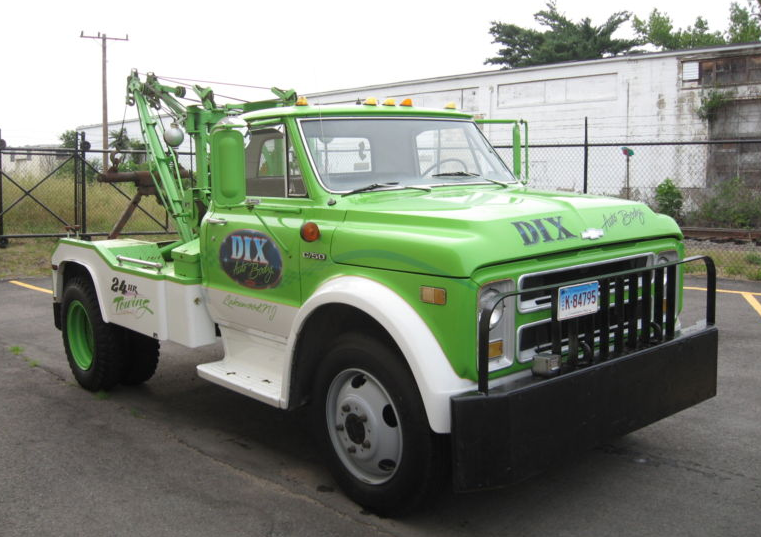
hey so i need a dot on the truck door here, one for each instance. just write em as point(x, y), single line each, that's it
point(252, 269)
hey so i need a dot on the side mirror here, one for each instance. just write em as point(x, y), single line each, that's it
point(228, 167)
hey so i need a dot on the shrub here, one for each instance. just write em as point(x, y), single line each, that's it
point(732, 204)
point(753, 259)
point(669, 199)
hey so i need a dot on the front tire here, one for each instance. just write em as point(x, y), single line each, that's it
point(92, 345)
point(373, 425)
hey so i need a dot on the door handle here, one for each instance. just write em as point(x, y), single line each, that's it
point(217, 221)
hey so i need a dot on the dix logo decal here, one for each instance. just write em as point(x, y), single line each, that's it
point(547, 229)
point(251, 259)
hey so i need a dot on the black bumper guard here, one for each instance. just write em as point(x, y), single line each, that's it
point(622, 368)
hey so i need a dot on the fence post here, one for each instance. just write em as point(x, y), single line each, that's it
point(83, 147)
point(75, 161)
point(3, 240)
point(586, 154)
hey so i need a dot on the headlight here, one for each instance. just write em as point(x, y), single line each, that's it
point(501, 321)
point(486, 298)
point(667, 257)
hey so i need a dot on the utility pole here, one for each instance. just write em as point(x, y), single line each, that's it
point(103, 40)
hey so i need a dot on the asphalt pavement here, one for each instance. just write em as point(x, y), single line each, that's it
point(180, 456)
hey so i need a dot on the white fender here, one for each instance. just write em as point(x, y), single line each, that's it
point(433, 373)
point(87, 259)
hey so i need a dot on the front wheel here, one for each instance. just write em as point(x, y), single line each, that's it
point(373, 425)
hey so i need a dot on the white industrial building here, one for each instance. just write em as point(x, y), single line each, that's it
point(639, 98)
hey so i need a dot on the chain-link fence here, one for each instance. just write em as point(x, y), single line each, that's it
point(53, 192)
point(712, 188)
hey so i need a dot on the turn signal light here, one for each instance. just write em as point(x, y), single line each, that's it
point(310, 232)
point(496, 349)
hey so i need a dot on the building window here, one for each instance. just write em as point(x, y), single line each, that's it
point(728, 71)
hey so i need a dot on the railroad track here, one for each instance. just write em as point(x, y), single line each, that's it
point(738, 236)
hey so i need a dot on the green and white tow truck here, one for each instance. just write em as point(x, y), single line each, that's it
point(381, 263)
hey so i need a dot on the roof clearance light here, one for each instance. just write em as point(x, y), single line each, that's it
point(371, 101)
point(406, 102)
point(450, 106)
point(302, 101)
point(389, 102)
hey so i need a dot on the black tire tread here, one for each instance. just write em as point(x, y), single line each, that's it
point(142, 358)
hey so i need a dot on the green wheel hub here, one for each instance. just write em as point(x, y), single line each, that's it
point(79, 332)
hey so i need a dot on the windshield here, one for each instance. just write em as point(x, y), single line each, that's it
point(362, 154)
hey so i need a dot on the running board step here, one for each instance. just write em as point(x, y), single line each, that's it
point(244, 380)
point(253, 366)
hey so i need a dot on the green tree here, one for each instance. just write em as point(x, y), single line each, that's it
point(658, 30)
point(564, 40)
point(119, 139)
point(743, 24)
point(68, 139)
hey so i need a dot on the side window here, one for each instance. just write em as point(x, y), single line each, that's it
point(266, 172)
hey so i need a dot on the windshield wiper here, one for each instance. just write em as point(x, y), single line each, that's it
point(371, 186)
point(456, 174)
point(469, 174)
point(375, 186)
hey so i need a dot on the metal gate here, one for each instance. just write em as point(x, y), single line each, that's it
point(55, 192)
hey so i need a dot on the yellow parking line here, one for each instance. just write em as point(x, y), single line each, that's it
point(32, 287)
point(753, 302)
point(725, 291)
point(747, 295)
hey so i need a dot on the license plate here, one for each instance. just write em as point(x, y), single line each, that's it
point(577, 300)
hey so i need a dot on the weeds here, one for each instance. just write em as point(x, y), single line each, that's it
point(753, 258)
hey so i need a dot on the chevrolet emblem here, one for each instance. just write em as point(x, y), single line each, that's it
point(592, 233)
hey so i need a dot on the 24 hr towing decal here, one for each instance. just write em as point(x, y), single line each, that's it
point(547, 229)
point(252, 259)
point(128, 300)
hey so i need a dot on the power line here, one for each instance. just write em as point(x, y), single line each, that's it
point(178, 80)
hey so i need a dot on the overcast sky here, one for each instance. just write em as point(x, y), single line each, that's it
point(51, 78)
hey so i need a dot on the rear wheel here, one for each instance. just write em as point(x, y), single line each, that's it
point(92, 345)
point(141, 358)
point(373, 425)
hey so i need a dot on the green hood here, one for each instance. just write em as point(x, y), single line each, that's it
point(454, 231)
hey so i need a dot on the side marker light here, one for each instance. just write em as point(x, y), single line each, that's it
point(433, 295)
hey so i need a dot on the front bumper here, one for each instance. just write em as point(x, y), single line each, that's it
point(505, 437)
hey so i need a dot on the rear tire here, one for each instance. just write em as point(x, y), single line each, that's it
point(141, 357)
point(374, 429)
point(92, 345)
